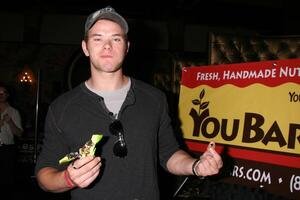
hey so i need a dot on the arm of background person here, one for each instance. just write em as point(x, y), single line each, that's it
point(10, 120)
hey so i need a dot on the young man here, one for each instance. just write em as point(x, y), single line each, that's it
point(133, 118)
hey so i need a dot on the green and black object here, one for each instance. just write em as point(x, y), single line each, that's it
point(88, 149)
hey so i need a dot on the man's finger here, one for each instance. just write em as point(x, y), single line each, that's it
point(211, 145)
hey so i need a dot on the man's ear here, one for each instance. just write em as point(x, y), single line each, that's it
point(128, 44)
point(84, 48)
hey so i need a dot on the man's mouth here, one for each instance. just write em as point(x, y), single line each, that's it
point(106, 56)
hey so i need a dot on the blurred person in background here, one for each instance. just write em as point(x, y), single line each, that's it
point(10, 128)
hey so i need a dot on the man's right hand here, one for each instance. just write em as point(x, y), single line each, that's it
point(82, 172)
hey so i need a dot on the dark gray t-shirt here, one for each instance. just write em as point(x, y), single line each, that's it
point(74, 116)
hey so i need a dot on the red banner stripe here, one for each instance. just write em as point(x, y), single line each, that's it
point(265, 157)
point(190, 74)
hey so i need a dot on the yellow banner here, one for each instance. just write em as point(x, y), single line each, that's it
point(256, 116)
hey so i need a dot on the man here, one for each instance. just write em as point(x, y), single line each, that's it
point(132, 116)
point(10, 127)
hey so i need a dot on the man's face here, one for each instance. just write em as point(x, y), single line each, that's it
point(3, 95)
point(106, 45)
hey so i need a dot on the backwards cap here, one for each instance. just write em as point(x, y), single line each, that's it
point(105, 13)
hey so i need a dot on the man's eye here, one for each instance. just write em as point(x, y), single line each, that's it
point(117, 39)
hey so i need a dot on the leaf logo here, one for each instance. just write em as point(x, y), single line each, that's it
point(200, 114)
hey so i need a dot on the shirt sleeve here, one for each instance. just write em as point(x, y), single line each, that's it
point(15, 116)
point(168, 144)
point(53, 146)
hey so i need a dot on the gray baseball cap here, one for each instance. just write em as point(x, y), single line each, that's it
point(105, 13)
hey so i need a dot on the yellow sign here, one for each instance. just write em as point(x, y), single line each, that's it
point(250, 105)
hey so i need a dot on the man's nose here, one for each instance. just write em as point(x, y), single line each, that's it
point(107, 45)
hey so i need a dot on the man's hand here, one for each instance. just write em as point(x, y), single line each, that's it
point(210, 162)
point(82, 172)
point(6, 118)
